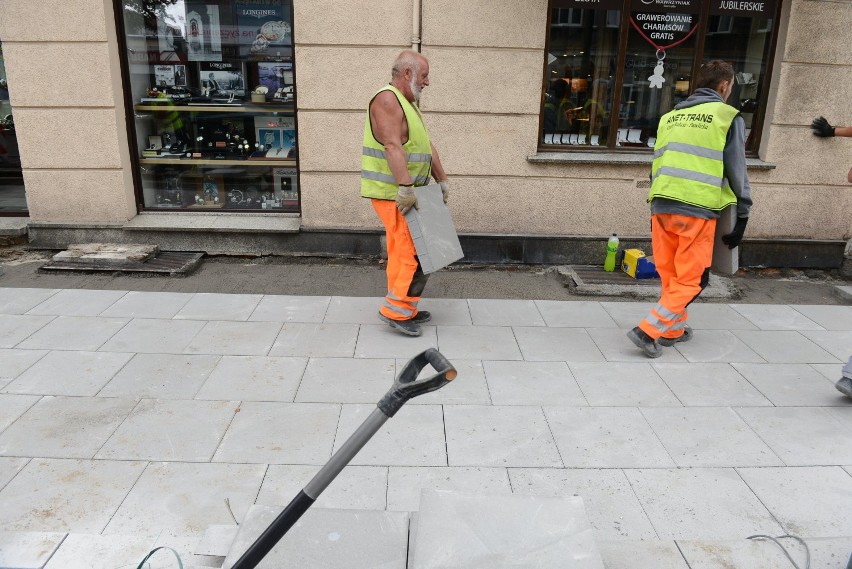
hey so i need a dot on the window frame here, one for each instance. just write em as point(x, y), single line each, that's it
point(756, 130)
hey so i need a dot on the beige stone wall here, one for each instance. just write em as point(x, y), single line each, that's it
point(482, 111)
point(65, 89)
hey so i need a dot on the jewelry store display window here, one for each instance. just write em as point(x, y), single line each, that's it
point(13, 199)
point(212, 92)
point(614, 67)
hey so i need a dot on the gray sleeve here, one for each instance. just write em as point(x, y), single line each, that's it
point(735, 166)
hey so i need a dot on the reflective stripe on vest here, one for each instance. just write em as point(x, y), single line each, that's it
point(377, 180)
point(688, 156)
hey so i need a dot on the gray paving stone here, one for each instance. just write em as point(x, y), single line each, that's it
point(776, 317)
point(499, 436)
point(557, 344)
point(709, 384)
point(784, 347)
point(186, 498)
point(811, 502)
point(84, 333)
point(353, 310)
point(254, 378)
point(486, 312)
point(154, 336)
point(172, 430)
point(14, 362)
point(831, 372)
point(830, 317)
point(844, 293)
point(413, 437)
point(837, 343)
point(716, 346)
point(757, 554)
point(532, 383)
point(382, 341)
point(575, 314)
point(714, 316)
point(469, 387)
point(612, 507)
point(280, 433)
point(462, 531)
point(15, 328)
point(9, 468)
point(69, 373)
point(217, 540)
point(405, 484)
point(344, 380)
point(65, 427)
point(605, 437)
point(709, 436)
point(355, 488)
point(22, 300)
point(214, 306)
point(324, 538)
point(92, 551)
point(161, 376)
point(481, 343)
point(628, 314)
point(614, 384)
point(616, 347)
point(632, 554)
point(801, 436)
point(13, 406)
point(78, 302)
point(66, 495)
point(273, 308)
point(447, 311)
point(234, 338)
point(793, 385)
point(316, 340)
point(27, 550)
point(830, 552)
point(148, 305)
point(700, 503)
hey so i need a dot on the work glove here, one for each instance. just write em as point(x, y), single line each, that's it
point(821, 127)
point(445, 189)
point(406, 199)
point(735, 237)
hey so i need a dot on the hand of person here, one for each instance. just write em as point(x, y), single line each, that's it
point(735, 237)
point(821, 127)
point(406, 199)
point(445, 189)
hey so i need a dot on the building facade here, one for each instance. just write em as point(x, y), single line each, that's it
point(543, 113)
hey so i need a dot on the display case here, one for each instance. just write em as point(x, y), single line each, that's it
point(212, 88)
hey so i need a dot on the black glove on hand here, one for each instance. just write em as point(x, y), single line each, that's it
point(821, 127)
point(735, 237)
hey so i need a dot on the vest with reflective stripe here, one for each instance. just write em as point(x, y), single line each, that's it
point(377, 181)
point(688, 153)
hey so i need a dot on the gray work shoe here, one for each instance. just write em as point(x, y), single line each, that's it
point(407, 327)
point(646, 342)
point(685, 337)
point(844, 386)
point(422, 317)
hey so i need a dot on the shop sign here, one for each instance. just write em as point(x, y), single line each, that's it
point(749, 9)
point(665, 23)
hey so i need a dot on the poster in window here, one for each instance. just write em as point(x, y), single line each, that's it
point(285, 186)
point(222, 78)
point(203, 32)
point(277, 135)
point(275, 75)
point(170, 40)
point(263, 26)
point(180, 75)
point(164, 75)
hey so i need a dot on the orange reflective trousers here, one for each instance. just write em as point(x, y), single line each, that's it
point(683, 253)
point(406, 279)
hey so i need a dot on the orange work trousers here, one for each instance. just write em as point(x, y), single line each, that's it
point(406, 279)
point(683, 253)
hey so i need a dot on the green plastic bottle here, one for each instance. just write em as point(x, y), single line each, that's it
point(611, 252)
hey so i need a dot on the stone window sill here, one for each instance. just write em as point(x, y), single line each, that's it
point(618, 158)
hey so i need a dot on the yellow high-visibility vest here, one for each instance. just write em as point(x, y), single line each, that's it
point(377, 181)
point(688, 164)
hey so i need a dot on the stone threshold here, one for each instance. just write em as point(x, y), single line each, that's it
point(233, 222)
point(618, 158)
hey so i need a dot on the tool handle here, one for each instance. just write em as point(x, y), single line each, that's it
point(408, 386)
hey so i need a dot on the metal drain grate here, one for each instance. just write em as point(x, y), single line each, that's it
point(176, 263)
point(595, 275)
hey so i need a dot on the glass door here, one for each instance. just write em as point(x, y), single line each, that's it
point(13, 200)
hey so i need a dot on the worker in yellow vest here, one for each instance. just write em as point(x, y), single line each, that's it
point(699, 169)
point(396, 156)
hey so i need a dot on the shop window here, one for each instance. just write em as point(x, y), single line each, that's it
point(619, 65)
point(13, 200)
point(212, 87)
